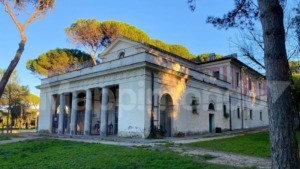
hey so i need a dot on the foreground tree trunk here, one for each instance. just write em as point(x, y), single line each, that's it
point(281, 114)
point(11, 67)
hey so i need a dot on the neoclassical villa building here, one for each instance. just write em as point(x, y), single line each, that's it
point(138, 86)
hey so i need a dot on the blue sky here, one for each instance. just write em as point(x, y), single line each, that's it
point(168, 20)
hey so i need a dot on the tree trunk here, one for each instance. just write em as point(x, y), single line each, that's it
point(7, 121)
point(284, 145)
point(11, 67)
point(94, 61)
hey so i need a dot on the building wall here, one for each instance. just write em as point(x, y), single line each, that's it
point(46, 108)
point(191, 123)
point(132, 108)
point(182, 91)
point(246, 104)
point(172, 76)
point(245, 76)
point(184, 120)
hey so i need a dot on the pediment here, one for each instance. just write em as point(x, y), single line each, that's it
point(119, 44)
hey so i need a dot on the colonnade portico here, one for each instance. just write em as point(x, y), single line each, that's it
point(88, 112)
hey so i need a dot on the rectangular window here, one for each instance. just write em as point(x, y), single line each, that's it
point(194, 105)
point(216, 74)
point(260, 115)
point(225, 114)
point(250, 84)
point(259, 90)
point(238, 113)
point(237, 79)
point(250, 113)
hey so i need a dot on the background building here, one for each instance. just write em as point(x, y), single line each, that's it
point(137, 85)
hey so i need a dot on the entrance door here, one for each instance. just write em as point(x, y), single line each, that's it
point(80, 113)
point(211, 123)
point(54, 123)
point(113, 111)
point(116, 121)
point(166, 110)
point(80, 123)
point(67, 120)
point(165, 123)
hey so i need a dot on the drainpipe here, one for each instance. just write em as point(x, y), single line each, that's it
point(152, 106)
point(242, 109)
point(230, 120)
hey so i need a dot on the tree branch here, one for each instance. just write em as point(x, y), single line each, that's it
point(17, 23)
point(256, 39)
point(248, 54)
point(32, 18)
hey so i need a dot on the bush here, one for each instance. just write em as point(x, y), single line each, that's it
point(32, 122)
point(226, 115)
point(180, 134)
point(157, 133)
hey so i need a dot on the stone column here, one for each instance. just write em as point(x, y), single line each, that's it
point(73, 113)
point(62, 106)
point(103, 127)
point(88, 111)
point(52, 112)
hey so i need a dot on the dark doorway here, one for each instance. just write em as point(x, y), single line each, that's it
point(211, 123)
point(80, 123)
point(113, 110)
point(54, 123)
point(80, 114)
point(55, 114)
point(166, 110)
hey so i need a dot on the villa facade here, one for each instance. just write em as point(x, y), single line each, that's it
point(137, 85)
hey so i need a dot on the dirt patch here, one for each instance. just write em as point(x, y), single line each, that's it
point(224, 158)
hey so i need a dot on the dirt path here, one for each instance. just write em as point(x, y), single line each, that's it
point(217, 157)
point(19, 137)
point(224, 157)
point(13, 140)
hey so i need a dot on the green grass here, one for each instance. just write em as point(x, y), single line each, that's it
point(49, 153)
point(5, 138)
point(8, 136)
point(256, 144)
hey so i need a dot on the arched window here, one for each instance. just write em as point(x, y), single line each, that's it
point(211, 106)
point(81, 99)
point(121, 54)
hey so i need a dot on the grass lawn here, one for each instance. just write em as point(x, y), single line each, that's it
point(50, 153)
point(8, 136)
point(5, 138)
point(256, 144)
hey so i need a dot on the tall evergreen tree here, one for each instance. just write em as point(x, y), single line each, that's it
point(57, 61)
